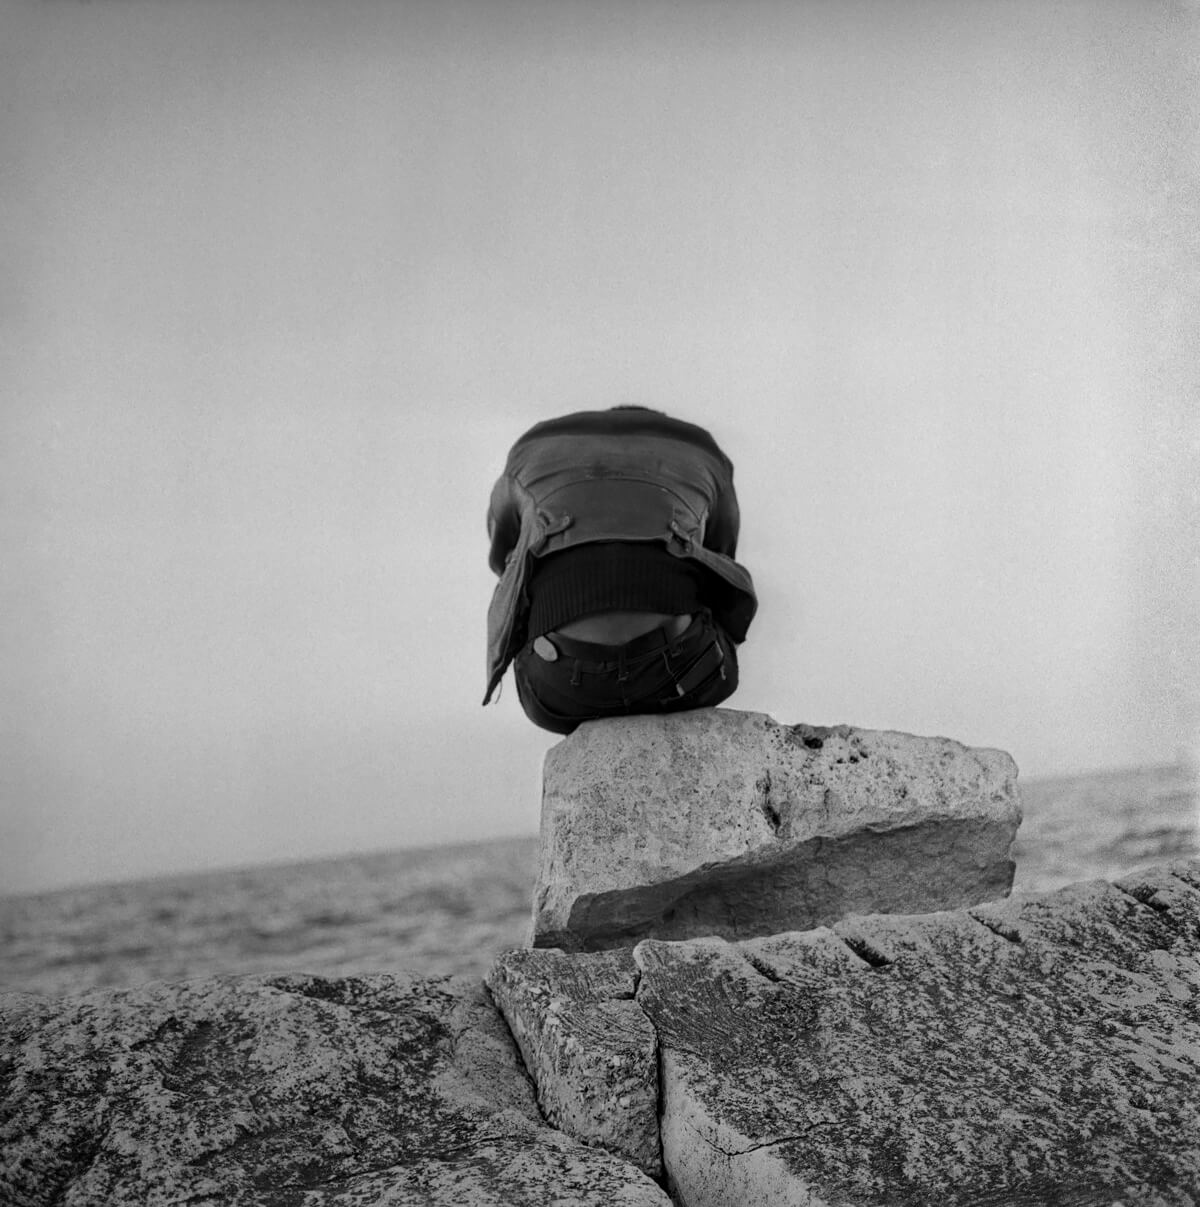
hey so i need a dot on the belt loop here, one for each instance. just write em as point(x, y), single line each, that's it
point(575, 676)
point(622, 669)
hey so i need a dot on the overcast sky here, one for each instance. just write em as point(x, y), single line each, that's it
point(283, 280)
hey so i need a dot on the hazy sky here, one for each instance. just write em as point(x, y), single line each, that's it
point(282, 281)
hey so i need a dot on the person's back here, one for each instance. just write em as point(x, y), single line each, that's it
point(614, 533)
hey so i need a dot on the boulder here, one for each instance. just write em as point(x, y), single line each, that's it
point(1041, 1050)
point(719, 822)
point(284, 1090)
point(587, 1045)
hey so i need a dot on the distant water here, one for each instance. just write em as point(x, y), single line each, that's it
point(452, 909)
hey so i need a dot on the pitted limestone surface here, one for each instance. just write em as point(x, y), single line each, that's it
point(722, 822)
point(1039, 1050)
point(282, 1092)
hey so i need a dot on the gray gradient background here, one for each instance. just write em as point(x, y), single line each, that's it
point(282, 281)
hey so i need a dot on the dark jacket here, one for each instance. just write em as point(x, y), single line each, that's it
point(628, 474)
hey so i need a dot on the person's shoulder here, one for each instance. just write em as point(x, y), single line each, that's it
point(623, 421)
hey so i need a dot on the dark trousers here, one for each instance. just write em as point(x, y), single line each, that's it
point(653, 673)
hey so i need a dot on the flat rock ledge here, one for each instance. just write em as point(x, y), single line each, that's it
point(1039, 1051)
point(727, 823)
point(285, 1091)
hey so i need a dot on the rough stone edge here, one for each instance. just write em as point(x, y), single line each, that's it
point(556, 1061)
point(648, 905)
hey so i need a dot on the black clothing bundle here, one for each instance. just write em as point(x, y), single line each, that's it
point(615, 511)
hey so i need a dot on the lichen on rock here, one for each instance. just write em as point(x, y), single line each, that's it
point(1041, 1050)
point(284, 1091)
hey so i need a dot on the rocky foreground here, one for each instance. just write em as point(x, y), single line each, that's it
point(1038, 1050)
point(1043, 1050)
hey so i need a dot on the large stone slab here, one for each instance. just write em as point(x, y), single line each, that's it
point(1044, 1050)
point(587, 1045)
point(719, 822)
point(286, 1090)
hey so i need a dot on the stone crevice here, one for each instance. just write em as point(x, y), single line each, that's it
point(733, 1154)
point(1148, 900)
point(637, 980)
point(867, 953)
point(1008, 933)
point(766, 806)
point(762, 967)
point(660, 1082)
point(520, 1056)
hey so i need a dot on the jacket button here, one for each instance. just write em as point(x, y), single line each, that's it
point(545, 649)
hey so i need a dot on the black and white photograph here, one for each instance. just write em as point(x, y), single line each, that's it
point(600, 603)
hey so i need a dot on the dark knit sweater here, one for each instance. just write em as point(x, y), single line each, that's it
point(610, 576)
